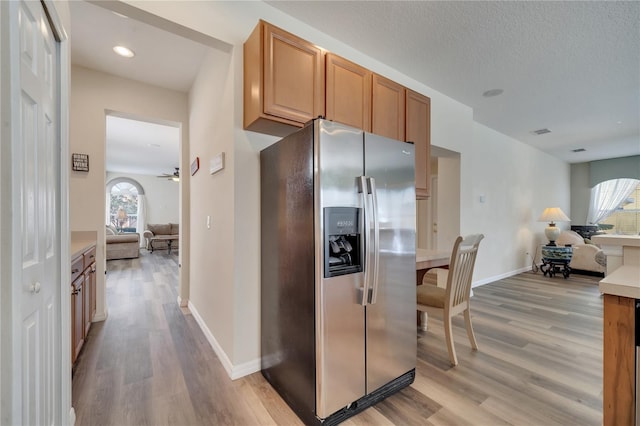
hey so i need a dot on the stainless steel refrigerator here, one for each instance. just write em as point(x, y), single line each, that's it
point(338, 296)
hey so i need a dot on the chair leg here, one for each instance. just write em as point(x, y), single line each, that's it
point(449, 336)
point(423, 321)
point(472, 337)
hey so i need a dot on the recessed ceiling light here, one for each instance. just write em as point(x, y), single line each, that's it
point(124, 51)
point(541, 131)
point(153, 145)
point(618, 122)
point(493, 92)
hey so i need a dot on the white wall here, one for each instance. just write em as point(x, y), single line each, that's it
point(212, 259)
point(93, 94)
point(161, 195)
point(517, 181)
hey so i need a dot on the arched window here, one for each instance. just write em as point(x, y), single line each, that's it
point(615, 206)
point(125, 205)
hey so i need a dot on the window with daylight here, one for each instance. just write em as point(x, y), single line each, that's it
point(615, 206)
point(125, 205)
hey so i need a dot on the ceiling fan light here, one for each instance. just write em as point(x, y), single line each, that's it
point(175, 179)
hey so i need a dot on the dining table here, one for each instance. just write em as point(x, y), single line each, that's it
point(427, 259)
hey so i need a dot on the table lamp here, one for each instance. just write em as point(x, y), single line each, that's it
point(551, 215)
point(122, 217)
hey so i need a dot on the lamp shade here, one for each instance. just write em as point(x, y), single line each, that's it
point(122, 215)
point(553, 214)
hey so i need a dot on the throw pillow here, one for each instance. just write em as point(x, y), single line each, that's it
point(111, 230)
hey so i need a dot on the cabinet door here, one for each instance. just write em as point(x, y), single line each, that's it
point(92, 292)
point(418, 131)
point(388, 108)
point(86, 302)
point(293, 76)
point(348, 94)
point(77, 321)
point(283, 81)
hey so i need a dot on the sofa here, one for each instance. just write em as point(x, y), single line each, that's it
point(122, 245)
point(162, 236)
point(587, 257)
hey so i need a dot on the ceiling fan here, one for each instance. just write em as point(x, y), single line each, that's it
point(175, 176)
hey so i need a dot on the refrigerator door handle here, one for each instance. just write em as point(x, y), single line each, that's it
point(376, 240)
point(366, 231)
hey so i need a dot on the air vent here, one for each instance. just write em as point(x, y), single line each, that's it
point(578, 150)
point(541, 131)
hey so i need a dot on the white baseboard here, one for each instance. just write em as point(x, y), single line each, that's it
point(233, 371)
point(100, 317)
point(500, 277)
point(72, 416)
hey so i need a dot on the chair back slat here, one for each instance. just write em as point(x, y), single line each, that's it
point(463, 259)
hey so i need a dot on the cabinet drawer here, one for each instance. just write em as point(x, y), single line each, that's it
point(89, 257)
point(77, 267)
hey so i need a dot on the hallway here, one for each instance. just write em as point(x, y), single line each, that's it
point(150, 364)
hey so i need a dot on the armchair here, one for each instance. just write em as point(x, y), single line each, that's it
point(586, 256)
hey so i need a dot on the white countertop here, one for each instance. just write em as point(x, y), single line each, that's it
point(624, 281)
point(616, 240)
point(81, 241)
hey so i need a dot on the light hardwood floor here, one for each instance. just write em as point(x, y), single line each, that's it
point(539, 363)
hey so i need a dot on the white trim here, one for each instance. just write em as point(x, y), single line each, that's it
point(500, 277)
point(98, 317)
point(183, 303)
point(234, 372)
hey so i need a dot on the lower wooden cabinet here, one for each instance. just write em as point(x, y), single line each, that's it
point(619, 363)
point(77, 320)
point(83, 298)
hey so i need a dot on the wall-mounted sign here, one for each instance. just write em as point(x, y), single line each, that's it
point(216, 163)
point(195, 166)
point(80, 162)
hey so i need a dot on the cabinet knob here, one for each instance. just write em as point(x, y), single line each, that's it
point(35, 288)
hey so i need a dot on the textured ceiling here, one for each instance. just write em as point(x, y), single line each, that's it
point(572, 67)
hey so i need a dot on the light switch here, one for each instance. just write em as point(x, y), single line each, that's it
point(208, 222)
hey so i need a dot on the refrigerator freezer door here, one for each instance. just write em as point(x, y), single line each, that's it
point(391, 320)
point(340, 333)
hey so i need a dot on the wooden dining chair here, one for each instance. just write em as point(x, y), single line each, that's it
point(454, 298)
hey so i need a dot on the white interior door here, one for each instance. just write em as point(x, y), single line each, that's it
point(36, 223)
point(432, 215)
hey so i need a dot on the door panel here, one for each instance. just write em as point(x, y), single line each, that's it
point(340, 361)
point(37, 220)
point(391, 334)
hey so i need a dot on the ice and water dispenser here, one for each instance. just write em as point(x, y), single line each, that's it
point(342, 241)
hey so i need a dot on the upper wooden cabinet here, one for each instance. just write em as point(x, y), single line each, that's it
point(388, 108)
point(283, 81)
point(289, 81)
point(348, 94)
point(418, 131)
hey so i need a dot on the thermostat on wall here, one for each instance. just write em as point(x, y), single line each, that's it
point(216, 163)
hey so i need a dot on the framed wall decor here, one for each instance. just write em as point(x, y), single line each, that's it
point(195, 166)
point(80, 162)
